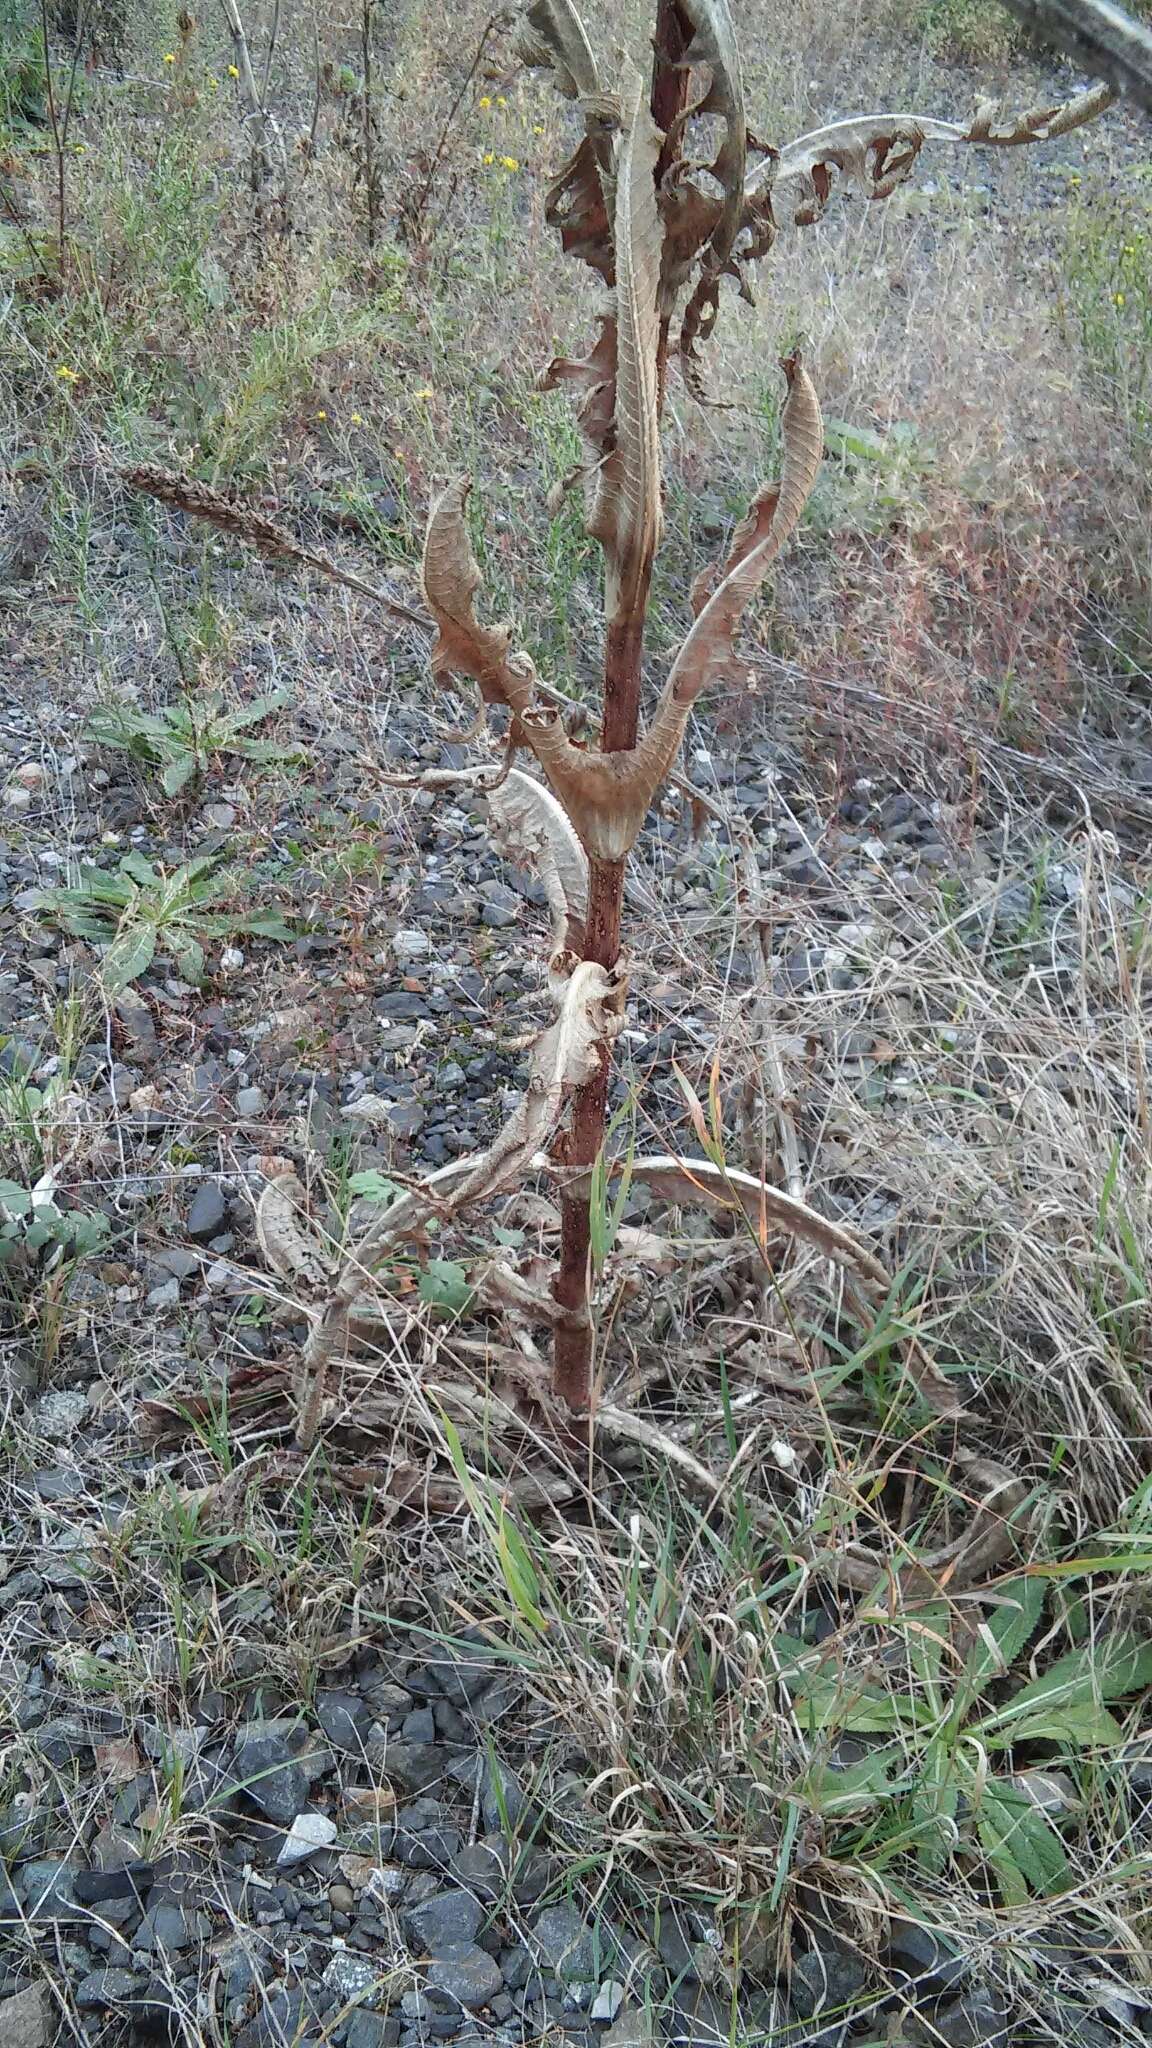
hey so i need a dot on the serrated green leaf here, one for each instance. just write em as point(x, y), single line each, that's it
point(129, 955)
point(444, 1284)
point(178, 772)
point(827, 1698)
point(140, 871)
point(1086, 1723)
point(1108, 1669)
point(372, 1186)
point(188, 954)
point(1023, 1848)
point(251, 714)
point(1008, 1630)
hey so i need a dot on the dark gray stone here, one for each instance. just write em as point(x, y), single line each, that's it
point(371, 2030)
point(288, 2017)
point(566, 1944)
point(47, 1891)
point(104, 1989)
point(169, 1927)
point(977, 2020)
point(826, 1981)
point(345, 1720)
point(482, 1868)
point(700, 2018)
point(447, 1921)
point(419, 1726)
point(266, 1771)
point(467, 1974)
point(923, 1956)
point(208, 1215)
point(414, 1765)
point(63, 1740)
point(100, 1887)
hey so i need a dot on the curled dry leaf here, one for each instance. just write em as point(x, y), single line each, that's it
point(877, 151)
point(451, 579)
point(534, 830)
point(625, 508)
point(699, 1180)
point(286, 1238)
point(699, 226)
point(552, 36)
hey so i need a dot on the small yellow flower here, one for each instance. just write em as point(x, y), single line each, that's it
point(169, 57)
point(425, 391)
point(356, 419)
point(1118, 299)
point(69, 376)
point(321, 415)
point(233, 71)
point(510, 163)
point(213, 85)
point(500, 100)
point(1075, 178)
point(489, 157)
point(485, 100)
point(539, 128)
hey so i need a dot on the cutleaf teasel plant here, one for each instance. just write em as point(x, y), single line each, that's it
point(665, 196)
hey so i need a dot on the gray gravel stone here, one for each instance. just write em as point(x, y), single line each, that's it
point(208, 1215)
point(466, 1973)
point(414, 1765)
point(448, 1920)
point(63, 1740)
point(566, 1944)
point(978, 2020)
point(47, 1890)
point(265, 1769)
point(26, 2021)
point(826, 1981)
point(922, 1955)
point(371, 2030)
point(102, 1989)
point(351, 1976)
point(250, 1102)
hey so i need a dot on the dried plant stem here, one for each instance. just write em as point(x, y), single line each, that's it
point(60, 120)
point(767, 1046)
point(266, 136)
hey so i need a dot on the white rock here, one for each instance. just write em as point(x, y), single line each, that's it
point(411, 944)
point(30, 776)
point(59, 1415)
point(308, 1833)
point(231, 960)
point(17, 799)
point(607, 2001)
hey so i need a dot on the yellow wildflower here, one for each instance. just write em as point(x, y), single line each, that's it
point(510, 163)
point(500, 100)
point(169, 57)
point(539, 128)
point(485, 100)
point(489, 157)
point(70, 376)
point(321, 415)
point(213, 85)
point(1118, 299)
point(356, 419)
point(425, 391)
point(233, 71)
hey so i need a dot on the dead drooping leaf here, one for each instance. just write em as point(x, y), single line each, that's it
point(1041, 124)
point(563, 1059)
point(699, 1180)
point(552, 36)
point(576, 204)
point(451, 579)
point(534, 830)
point(772, 518)
point(713, 43)
point(877, 151)
point(625, 512)
point(595, 376)
point(286, 1237)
